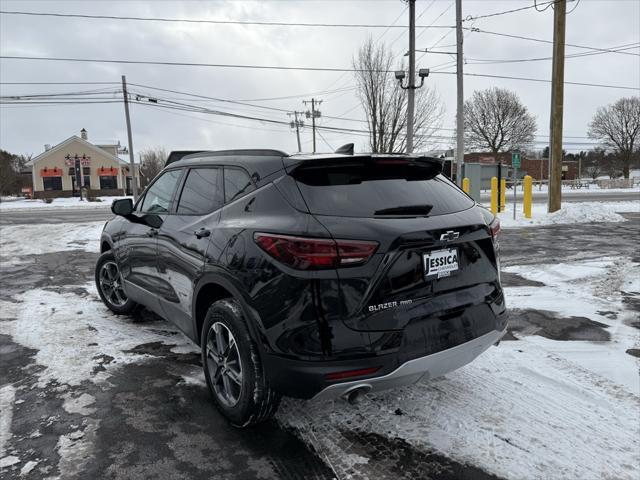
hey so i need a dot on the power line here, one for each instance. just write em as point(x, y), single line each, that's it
point(215, 22)
point(59, 83)
point(279, 67)
point(541, 40)
point(574, 7)
point(188, 64)
point(540, 80)
point(480, 61)
point(476, 17)
point(203, 110)
point(40, 97)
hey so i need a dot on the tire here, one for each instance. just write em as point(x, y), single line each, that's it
point(107, 275)
point(237, 381)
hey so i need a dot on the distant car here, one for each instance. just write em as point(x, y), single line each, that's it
point(311, 276)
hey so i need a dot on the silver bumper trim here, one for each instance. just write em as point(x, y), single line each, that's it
point(431, 366)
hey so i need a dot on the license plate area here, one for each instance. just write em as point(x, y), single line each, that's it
point(440, 263)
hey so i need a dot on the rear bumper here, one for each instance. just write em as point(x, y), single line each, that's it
point(306, 379)
point(428, 367)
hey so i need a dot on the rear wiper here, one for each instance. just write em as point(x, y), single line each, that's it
point(405, 210)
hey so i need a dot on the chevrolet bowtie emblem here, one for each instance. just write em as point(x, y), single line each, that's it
point(449, 236)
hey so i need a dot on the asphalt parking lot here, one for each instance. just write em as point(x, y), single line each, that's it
point(151, 417)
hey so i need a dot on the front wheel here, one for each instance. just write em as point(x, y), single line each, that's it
point(232, 367)
point(109, 285)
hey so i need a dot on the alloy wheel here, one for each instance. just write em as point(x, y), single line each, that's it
point(111, 284)
point(224, 365)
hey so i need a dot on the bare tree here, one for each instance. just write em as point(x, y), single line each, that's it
point(617, 126)
point(495, 119)
point(152, 160)
point(385, 103)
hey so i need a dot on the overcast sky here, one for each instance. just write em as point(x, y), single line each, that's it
point(25, 129)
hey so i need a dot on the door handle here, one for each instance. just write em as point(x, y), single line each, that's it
point(203, 232)
point(152, 232)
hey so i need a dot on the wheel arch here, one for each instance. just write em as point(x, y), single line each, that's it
point(212, 288)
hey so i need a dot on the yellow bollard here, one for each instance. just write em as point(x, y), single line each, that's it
point(494, 195)
point(465, 185)
point(503, 194)
point(528, 196)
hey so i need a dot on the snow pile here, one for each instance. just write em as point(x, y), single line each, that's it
point(578, 212)
point(47, 238)
point(73, 202)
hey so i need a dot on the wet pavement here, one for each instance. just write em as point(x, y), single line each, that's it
point(146, 422)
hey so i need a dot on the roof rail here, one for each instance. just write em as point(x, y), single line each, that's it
point(249, 152)
point(257, 152)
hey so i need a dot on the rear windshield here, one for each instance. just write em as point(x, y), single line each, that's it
point(370, 189)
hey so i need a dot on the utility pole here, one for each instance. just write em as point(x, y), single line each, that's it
point(557, 106)
point(460, 93)
point(295, 123)
point(134, 185)
point(313, 114)
point(412, 74)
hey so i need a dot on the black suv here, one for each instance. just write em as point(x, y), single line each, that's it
point(312, 276)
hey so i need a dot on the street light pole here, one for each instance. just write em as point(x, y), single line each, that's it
point(460, 93)
point(134, 186)
point(412, 74)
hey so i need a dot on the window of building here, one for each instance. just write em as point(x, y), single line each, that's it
point(236, 183)
point(202, 192)
point(158, 197)
point(52, 183)
point(72, 171)
point(108, 183)
point(87, 181)
point(86, 170)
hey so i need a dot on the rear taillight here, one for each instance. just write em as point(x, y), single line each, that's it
point(315, 253)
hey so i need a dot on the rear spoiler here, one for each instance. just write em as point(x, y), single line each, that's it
point(178, 154)
point(389, 159)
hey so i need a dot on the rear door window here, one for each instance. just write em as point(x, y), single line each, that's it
point(378, 189)
point(237, 183)
point(202, 192)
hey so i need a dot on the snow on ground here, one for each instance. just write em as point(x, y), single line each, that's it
point(46, 238)
point(7, 397)
point(74, 202)
point(578, 212)
point(517, 411)
point(591, 289)
point(77, 337)
point(543, 190)
point(534, 408)
point(531, 408)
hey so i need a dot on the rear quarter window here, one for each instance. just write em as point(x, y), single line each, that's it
point(363, 190)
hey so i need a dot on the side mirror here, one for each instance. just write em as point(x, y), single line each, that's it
point(122, 207)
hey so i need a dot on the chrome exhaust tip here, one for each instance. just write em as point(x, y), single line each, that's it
point(356, 394)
